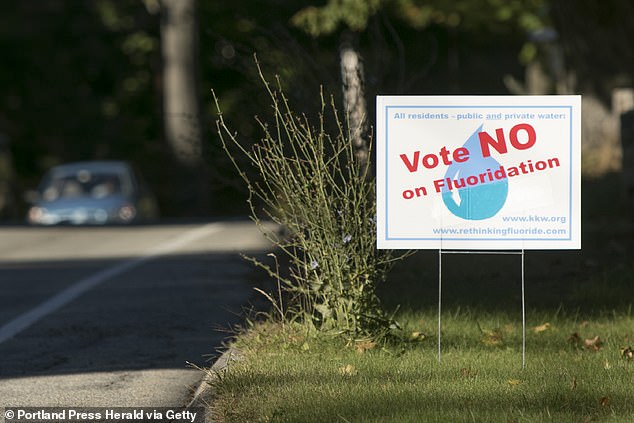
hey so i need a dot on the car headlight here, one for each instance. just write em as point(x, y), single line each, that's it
point(36, 214)
point(127, 213)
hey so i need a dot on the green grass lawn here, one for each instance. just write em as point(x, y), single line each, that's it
point(578, 366)
point(571, 376)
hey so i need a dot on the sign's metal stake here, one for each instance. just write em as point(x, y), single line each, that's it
point(521, 253)
point(439, 300)
point(523, 317)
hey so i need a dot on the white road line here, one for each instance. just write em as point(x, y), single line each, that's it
point(69, 294)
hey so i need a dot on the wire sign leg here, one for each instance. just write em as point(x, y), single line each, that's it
point(439, 300)
point(523, 318)
point(440, 253)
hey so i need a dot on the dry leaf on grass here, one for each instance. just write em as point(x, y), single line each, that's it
point(417, 336)
point(593, 344)
point(348, 370)
point(541, 328)
point(364, 345)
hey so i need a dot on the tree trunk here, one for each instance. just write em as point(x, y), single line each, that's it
point(180, 101)
point(181, 109)
point(354, 98)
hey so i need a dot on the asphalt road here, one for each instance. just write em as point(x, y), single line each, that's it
point(110, 317)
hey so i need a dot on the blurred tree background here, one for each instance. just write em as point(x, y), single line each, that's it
point(83, 80)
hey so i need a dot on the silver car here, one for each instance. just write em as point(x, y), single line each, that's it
point(91, 193)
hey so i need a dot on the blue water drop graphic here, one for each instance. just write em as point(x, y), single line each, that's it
point(477, 201)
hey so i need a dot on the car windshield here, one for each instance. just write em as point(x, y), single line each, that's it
point(82, 184)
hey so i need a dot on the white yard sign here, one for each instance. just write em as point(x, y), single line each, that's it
point(479, 172)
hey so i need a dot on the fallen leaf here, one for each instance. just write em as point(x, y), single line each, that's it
point(417, 336)
point(364, 345)
point(541, 328)
point(604, 401)
point(513, 382)
point(593, 344)
point(627, 353)
point(607, 365)
point(348, 370)
point(573, 384)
